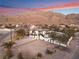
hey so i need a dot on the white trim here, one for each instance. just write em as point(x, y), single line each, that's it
point(68, 43)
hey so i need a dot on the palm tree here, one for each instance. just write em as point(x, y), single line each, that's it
point(7, 46)
point(56, 28)
point(10, 27)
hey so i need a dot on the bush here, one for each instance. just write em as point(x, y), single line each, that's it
point(49, 51)
point(20, 56)
point(8, 45)
point(39, 55)
point(8, 55)
point(20, 33)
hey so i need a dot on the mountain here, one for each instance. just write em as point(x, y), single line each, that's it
point(40, 18)
point(74, 18)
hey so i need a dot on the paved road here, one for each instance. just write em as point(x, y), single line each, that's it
point(3, 35)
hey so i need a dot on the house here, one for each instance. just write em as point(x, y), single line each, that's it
point(44, 34)
point(61, 27)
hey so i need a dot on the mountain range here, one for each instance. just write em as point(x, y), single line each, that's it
point(40, 17)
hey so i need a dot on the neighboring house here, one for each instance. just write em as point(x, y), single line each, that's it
point(61, 27)
point(43, 34)
point(17, 25)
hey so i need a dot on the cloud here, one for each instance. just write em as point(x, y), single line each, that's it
point(58, 7)
point(62, 6)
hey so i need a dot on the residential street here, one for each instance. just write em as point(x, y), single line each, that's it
point(3, 34)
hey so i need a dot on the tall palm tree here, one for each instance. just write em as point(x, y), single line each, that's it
point(10, 27)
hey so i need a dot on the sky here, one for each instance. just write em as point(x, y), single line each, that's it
point(68, 11)
point(61, 6)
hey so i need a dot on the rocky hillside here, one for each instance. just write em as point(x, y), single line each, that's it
point(74, 18)
point(41, 18)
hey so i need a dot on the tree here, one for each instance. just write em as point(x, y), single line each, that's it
point(7, 46)
point(20, 33)
point(69, 32)
point(62, 39)
point(53, 35)
point(10, 27)
point(45, 26)
point(55, 28)
point(27, 32)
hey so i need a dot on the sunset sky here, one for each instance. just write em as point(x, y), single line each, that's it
point(61, 6)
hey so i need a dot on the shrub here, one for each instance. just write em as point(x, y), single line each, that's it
point(20, 56)
point(8, 55)
point(49, 51)
point(20, 33)
point(39, 55)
